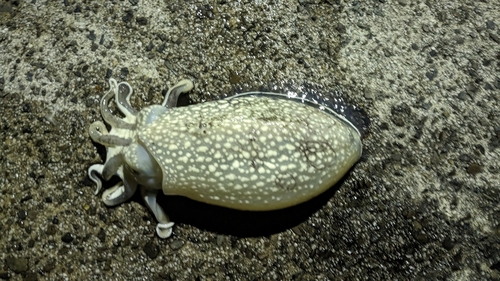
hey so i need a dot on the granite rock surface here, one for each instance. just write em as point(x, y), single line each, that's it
point(422, 204)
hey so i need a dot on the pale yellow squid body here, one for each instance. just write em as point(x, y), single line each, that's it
point(255, 151)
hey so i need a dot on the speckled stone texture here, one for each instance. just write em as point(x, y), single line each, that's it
point(422, 204)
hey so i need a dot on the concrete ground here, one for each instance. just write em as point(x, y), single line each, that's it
point(422, 204)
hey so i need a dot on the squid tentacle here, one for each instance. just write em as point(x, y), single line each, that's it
point(100, 134)
point(122, 97)
point(111, 166)
point(93, 170)
point(112, 120)
point(173, 93)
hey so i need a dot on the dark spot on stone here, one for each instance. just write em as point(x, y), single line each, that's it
point(28, 197)
point(433, 53)
point(490, 25)
point(86, 181)
point(26, 108)
point(495, 37)
point(55, 220)
point(67, 238)
point(415, 47)
point(387, 52)
point(421, 237)
point(74, 100)
point(141, 21)
point(17, 246)
point(234, 79)
point(49, 266)
point(133, 2)
point(151, 250)
point(495, 266)
point(399, 113)
point(487, 62)
point(22, 214)
point(63, 251)
point(462, 95)
point(448, 243)
point(431, 74)
point(460, 40)
point(92, 35)
point(72, 43)
point(30, 53)
point(464, 157)
point(51, 229)
point(160, 48)
point(101, 235)
point(474, 169)
point(340, 28)
point(455, 266)
point(38, 65)
point(128, 16)
point(150, 47)
point(479, 148)
point(384, 126)
point(92, 211)
point(29, 76)
point(102, 216)
point(205, 11)
point(176, 244)
point(48, 199)
point(18, 265)
point(488, 86)
point(109, 73)
point(123, 73)
point(426, 28)
point(78, 9)
point(496, 83)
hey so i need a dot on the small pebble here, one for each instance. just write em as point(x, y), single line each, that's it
point(18, 265)
point(176, 244)
point(67, 238)
point(151, 250)
point(22, 214)
point(474, 169)
point(101, 235)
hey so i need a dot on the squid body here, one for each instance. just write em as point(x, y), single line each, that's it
point(255, 151)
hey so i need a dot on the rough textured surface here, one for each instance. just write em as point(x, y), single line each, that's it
point(422, 204)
